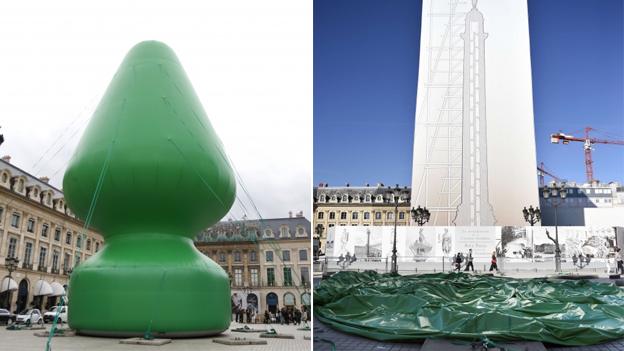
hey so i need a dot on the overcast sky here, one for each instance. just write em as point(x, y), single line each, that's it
point(249, 61)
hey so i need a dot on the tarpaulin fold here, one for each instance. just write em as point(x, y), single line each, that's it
point(471, 307)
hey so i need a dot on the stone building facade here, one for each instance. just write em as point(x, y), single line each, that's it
point(356, 206)
point(268, 261)
point(38, 229)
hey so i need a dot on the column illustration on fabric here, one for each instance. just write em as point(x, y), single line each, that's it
point(475, 208)
point(149, 173)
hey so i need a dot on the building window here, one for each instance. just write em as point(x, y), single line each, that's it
point(287, 276)
point(303, 255)
point(269, 256)
point(401, 215)
point(332, 215)
point(268, 233)
point(43, 252)
point(367, 198)
point(305, 276)
point(88, 244)
point(300, 231)
point(1, 212)
point(28, 253)
point(5, 177)
point(12, 247)
point(238, 277)
point(390, 215)
point(377, 215)
point(284, 232)
point(354, 215)
point(271, 276)
point(253, 257)
point(356, 198)
point(66, 261)
point(57, 234)
point(15, 220)
point(319, 216)
point(322, 198)
point(286, 255)
point(55, 260)
point(379, 198)
point(97, 246)
point(366, 215)
point(76, 260)
point(343, 215)
point(79, 241)
point(254, 276)
point(237, 256)
point(30, 227)
point(221, 256)
point(334, 198)
point(44, 230)
point(345, 198)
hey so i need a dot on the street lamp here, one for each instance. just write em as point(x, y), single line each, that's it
point(11, 264)
point(394, 195)
point(532, 216)
point(420, 215)
point(557, 193)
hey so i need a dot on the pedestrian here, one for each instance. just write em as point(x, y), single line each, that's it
point(469, 259)
point(267, 317)
point(458, 261)
point(493, 265)
point(620, 260)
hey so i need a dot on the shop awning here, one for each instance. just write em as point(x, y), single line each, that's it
point(8, 284)
point(42, 288)
point(57, 289)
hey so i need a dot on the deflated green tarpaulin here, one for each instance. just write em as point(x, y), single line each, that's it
point(470, 307)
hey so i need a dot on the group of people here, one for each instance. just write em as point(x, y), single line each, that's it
point(287, 316)
point(459, 258)
point(347, 259)
point(244, 315)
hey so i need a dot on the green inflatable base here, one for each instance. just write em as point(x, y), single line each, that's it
point(156, 283)
point(470, 307)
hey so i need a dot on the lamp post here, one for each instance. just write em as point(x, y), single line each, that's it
point(557, 193)
point(420, 215)
point(394, 195)
point(532, 216)
point(11, 264)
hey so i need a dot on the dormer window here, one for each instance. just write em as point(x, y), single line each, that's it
point(284, 232)
point(300, 231)
point(356, 198)
point(345, 198)
point(20, 185)
point(334, 198)
point(5, 178)
point(268, 233)
point(367, 198)
point(322, 198)
point(379, 198)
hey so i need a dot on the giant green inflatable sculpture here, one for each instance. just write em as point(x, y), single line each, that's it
point(149, 174)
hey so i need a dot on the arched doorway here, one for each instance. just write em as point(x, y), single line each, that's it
point(22, 296)
point(252, 300)
point(305, 299)
point(272, 301)
point(289, 300)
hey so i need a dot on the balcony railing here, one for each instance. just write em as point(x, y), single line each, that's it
point(55, 270)
point(27, 265)
point(42, 268)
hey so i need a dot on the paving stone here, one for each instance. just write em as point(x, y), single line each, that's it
point(141, 341)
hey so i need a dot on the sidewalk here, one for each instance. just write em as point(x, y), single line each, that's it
point(26, 341)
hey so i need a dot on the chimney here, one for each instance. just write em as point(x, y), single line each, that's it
point(6, 158)
point(44, 179)
point(300, 214)
point(289, 214)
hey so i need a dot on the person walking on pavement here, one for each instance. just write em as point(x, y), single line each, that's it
point(469, 259)
point(620, 261)
point(493, 265)
point(458, 261)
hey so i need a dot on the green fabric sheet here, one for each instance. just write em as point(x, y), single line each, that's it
point(470, 307)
